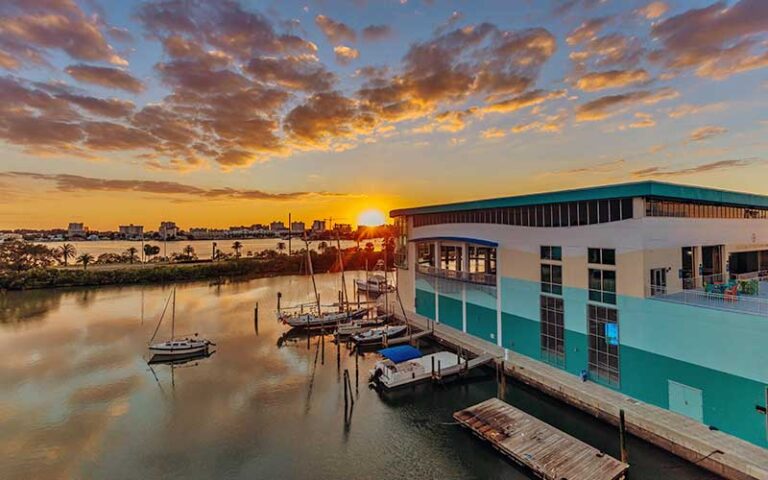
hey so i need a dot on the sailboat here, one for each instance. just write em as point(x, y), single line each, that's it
point(375, 283)
point(315, 317)
point(175, 348)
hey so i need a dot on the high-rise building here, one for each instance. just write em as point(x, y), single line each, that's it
point(318, 226)
point(277, 227)
point(298, 227)
point(168, 229)
point(77, 230)
point(131, 231)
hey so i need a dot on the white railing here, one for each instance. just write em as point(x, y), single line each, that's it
point(725, 301)
point(472, 277)
point(700, 282)
point(760, 275)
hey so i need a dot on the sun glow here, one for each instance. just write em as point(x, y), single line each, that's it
point(371, 218)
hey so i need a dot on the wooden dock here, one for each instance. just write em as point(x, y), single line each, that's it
point(407, 339)
point(544, 450)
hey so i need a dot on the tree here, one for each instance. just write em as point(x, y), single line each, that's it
point(369, 247)
point(85, 259)
point(322, 246)
point(130, 253)
point(150, 250)
point(19, 255)
point(66, 251)
point(281, 247)
point(237, 246)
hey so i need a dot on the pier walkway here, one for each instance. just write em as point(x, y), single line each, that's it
point(541, 448)
point(716, 451)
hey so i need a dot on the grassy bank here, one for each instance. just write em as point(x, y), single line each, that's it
point(165, 273)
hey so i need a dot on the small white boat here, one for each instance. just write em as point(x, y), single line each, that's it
point(358, 326)
point(375, 283)
point(313, 320)
point(388, 374)
point(375, 336)
point(177, 347)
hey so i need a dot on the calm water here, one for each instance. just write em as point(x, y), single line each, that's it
point(77, 399)
point(203, 248)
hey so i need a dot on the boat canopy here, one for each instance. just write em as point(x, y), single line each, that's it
point(401, 353)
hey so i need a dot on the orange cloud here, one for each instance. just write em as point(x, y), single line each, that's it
point(610, 105)
point(611, 79)
point(705, 133)
point(373, 33)
point(657, 171)
point(653, 10)
point(344, 54)
point(105, 77)
point(336, 32)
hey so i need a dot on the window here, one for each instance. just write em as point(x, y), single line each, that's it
point(551, 253)
point(482, 260)
point(552, 279)
point(601, 256)
point(603, 344)
point(602, 286)
point(450, 257)
point(656, 207)
point(552, 330)
point(425, 254)
point(401, 242)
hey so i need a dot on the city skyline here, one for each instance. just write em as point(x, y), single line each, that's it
point(232, 113)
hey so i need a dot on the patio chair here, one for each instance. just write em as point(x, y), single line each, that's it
point(732, 294)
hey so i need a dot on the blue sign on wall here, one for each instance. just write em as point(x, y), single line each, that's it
point(611, 334)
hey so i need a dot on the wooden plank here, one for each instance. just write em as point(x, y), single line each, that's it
point(546, 451)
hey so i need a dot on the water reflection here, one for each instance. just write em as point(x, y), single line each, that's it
point(78, 399)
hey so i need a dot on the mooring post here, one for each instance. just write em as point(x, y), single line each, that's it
point(357, 371)
point(256, 318)
point(279, 296)
point(344, 381)
point(322, 349)
point(503, 381)
point(439, 370)
point(433, 367)
point(358, 299)
point(622, 436)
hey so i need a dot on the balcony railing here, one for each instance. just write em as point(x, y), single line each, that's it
point(471, 277)
point(742, 303)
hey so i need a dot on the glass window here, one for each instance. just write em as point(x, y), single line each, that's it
point(425, 253)
point(626, 208)
point(552, 330)
point(602, 286)
point(450, 257)
point(603, 358)
point(603, 211)
point(551, 253)
point(552, 279)
point(592, 213)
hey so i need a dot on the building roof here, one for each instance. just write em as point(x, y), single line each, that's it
point(623, 190)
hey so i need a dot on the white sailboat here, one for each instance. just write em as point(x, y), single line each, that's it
point(376, 282)
point(174, 348)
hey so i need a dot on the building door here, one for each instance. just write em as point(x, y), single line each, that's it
point(658, 281)
point(712, 261)
point(688, 272)
point(686, 400)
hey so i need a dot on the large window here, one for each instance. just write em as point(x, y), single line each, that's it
point(401, 242)
point(450, 257)
point(601, 256)
point(603, 344)
point(552, 330)
point(425, 254)
point(482, 260)
point(564, 214)
point(551, 253)
point(656, 207)
point(602, 285)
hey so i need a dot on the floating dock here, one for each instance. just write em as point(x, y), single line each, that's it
point(544, 450)
point(407, 339)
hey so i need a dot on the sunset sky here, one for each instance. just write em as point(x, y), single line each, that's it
point(227, 113)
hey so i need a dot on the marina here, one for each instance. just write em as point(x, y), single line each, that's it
point(248, 408)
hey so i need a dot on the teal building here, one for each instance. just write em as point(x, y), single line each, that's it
point(656, 290)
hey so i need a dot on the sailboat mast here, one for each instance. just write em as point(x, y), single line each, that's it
point(312, 273)
point(344, 297)
point(173, 316)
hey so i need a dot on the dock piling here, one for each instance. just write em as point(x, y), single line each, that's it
point(256, 318)
point(357, 371)
point(622, 436)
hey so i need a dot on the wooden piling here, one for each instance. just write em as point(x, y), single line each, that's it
point(622, 436)
point(256, 318)
point(357, 371)
point(344, 381)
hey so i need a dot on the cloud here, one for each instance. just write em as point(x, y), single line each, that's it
point(587, 31)
point(658, 171)
point(685, 110)
point(715, 41)
point(105, 77)
point(610, 105)
point(611, 79)
point(545, 124)
point(492, 133)
point(652, 10)
point(528, 99)
point(105, 107)
point(705, 133)
point(344, 54)
point(373, 33)
point(295, 73)
point(326, 117)
point(607, 51)
point(28, 29)
point(76, 183)
point(643, 120)
point(336, 32)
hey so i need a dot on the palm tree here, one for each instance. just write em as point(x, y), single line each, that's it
point(85, 259)
point(322, 246)
point(236, 247)
point(150, 250)
point(131, 254)
point(189, 251)
point(67, 250)
point(280, 246)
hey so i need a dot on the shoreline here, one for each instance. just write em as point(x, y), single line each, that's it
point(138, 273)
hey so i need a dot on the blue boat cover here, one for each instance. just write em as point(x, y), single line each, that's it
point(401, 353)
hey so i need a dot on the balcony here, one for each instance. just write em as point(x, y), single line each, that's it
point(480, 278)
point(711, 293)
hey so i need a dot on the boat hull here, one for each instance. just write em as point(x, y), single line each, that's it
point(162, 351)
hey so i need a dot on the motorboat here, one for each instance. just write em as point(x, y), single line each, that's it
point(405, 365)
point(361, 325)
point(311, 320)
point(376, 336)
point(375, 284)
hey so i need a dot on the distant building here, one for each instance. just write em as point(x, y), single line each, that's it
point(318, 226)
point(168, 229)
point(131, 231)
point(298, 227)
point(343, 228)
point(199, 233)
point(77, 230)
point(277, 227)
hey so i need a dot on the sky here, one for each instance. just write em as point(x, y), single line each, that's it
point(239, 112)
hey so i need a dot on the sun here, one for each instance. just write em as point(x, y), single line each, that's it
point(371, 218)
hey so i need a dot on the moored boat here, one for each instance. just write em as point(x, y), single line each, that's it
point(405, 365)
point(376, 336)
point(328, 319)
point(176, 347)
